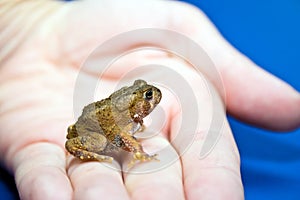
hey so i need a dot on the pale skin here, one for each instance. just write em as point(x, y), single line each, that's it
point(36, 110)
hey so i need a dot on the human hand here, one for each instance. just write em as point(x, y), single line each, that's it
point(37, 82)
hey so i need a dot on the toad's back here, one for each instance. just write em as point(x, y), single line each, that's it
point(96, 117)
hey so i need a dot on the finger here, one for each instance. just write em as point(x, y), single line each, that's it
point(252, 94)
point(217, 176)
point(40, 172)
point(210, 158)
point(257, 97)
point(163, 179)
point(94, 180)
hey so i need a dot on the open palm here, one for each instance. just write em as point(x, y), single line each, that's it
point(37, 87)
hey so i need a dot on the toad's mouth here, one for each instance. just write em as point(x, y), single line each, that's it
point(144, 113)
point(138, 117)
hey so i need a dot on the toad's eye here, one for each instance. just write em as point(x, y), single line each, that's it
point(148, 94)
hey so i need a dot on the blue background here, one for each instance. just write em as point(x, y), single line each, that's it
point(268, 32)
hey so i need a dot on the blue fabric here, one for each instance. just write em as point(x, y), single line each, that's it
point(269, 33)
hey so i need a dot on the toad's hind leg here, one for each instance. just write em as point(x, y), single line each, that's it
point(88, 147)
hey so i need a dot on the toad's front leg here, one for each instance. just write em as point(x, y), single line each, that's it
point(134, 146)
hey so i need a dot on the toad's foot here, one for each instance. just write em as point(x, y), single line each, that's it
point(90, 156)
point(142, 157)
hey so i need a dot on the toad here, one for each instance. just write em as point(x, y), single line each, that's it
point(109, 125)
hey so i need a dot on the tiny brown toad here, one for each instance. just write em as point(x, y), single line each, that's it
point(109, 125)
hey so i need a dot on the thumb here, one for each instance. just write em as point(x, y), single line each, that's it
point(252, 94)
point(257, 97)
